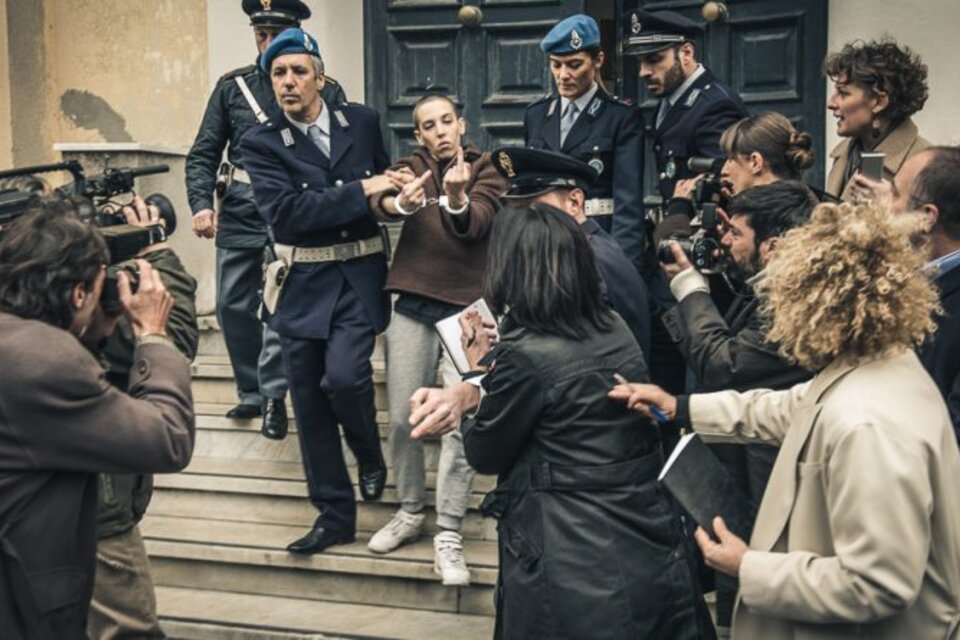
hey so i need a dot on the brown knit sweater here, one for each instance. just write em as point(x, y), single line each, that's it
point(437, 257)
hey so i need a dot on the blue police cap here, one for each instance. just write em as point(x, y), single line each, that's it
point(532, 172)
point(573, 34)
point(275, 13)
point(649, 31)
point(289, 41)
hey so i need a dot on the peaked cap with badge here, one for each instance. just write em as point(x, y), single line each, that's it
point(533, 172)
point(276, 13)
point(650, 31)
point(577, 33)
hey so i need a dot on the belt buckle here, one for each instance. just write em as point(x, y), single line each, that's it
point(342, 252)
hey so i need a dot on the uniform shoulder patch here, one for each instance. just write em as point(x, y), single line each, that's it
point(242, 71)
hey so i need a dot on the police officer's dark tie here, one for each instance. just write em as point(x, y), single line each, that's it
point(569, 117)
point(662, 111)
point(322, 141)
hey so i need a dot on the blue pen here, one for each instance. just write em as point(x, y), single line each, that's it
point(657, 412)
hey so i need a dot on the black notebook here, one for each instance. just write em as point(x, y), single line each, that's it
point(697, 479)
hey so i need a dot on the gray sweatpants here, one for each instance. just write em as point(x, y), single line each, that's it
point(413, 353)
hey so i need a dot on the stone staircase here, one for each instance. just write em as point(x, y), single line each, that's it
point(216, 535)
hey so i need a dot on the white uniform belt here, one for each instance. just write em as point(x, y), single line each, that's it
point(239, 175)
point(599, 207)
point(333, 253)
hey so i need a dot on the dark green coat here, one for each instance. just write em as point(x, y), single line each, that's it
point(123, 497)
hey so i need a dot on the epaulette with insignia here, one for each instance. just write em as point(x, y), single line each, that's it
point(242, 71)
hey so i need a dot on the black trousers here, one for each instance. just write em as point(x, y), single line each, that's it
point(331, 383)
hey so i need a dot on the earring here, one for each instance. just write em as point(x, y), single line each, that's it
point(876, 128)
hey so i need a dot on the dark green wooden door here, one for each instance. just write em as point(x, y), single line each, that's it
point(493, 69)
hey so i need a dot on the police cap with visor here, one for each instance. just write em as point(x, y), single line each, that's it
point(290, 41)
point(276, 13)
point(532, 172)
point(571, 35)
point(650, 31)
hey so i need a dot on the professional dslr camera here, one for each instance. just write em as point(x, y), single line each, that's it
point(93, 199)
point(703, 247)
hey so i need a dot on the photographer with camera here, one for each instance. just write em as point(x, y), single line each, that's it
point(124, 604)
point(61, 421)
point(731, 351)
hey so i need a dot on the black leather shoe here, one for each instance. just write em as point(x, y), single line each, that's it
point(274, 419)
point(372, 482)
point(319, 539)
point(244, 412)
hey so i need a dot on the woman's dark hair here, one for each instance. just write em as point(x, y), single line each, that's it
point(44, 255)
point(541, 272)
point(786, 151)
point(883, 66)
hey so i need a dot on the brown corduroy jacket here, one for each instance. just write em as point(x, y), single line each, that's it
point(441, 256)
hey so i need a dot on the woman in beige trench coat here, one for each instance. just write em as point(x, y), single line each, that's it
point(858, 533)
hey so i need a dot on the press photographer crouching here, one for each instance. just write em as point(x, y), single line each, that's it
point(61, 421)
point(731, 351)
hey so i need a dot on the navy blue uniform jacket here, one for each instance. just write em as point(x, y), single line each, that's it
point(312, 201)
point(622, 285)
point(609, 135)
point(693, 126)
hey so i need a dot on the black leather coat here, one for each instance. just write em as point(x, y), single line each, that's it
point(590, 546)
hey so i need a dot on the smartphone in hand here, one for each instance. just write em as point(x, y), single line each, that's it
point(871, 165)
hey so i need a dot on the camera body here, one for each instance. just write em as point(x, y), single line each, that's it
point(703, 248)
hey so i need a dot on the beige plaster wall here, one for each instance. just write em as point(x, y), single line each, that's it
point(337, 25)
point(929, 28)
point(6, 122)
point(105, 71)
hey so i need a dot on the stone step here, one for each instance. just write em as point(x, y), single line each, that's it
point(224, 391)
point(182, 609)
point(251, 558)
point(293, 471)
point(270, 501)
point(222, 438)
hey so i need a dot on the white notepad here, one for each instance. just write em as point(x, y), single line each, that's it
point(450, 333)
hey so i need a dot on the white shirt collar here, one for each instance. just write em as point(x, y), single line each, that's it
point(699, 71)
point(322, 121)
point(581, 102)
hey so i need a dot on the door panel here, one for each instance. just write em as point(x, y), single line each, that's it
point(492, 70)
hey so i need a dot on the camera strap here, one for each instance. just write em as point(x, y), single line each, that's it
point(245, 90)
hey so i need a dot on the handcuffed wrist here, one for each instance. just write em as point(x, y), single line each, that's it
point(444, 201)
point(404, 212)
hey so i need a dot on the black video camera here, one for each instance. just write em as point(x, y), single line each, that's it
point(92, 199)
point(703, 248)
point(710, 188)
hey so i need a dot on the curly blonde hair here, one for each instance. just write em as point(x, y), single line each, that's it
point(847, 285)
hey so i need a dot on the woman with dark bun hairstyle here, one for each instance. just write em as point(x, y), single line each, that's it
point(878, 85)
point(764, 149)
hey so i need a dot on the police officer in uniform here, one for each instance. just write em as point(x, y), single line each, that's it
point(695, 108)
point(313, 169)
point(559, 180)
point(240, 99)
point(587, 123)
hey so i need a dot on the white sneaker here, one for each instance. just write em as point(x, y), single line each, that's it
point(448, 560)
point(405, 527)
